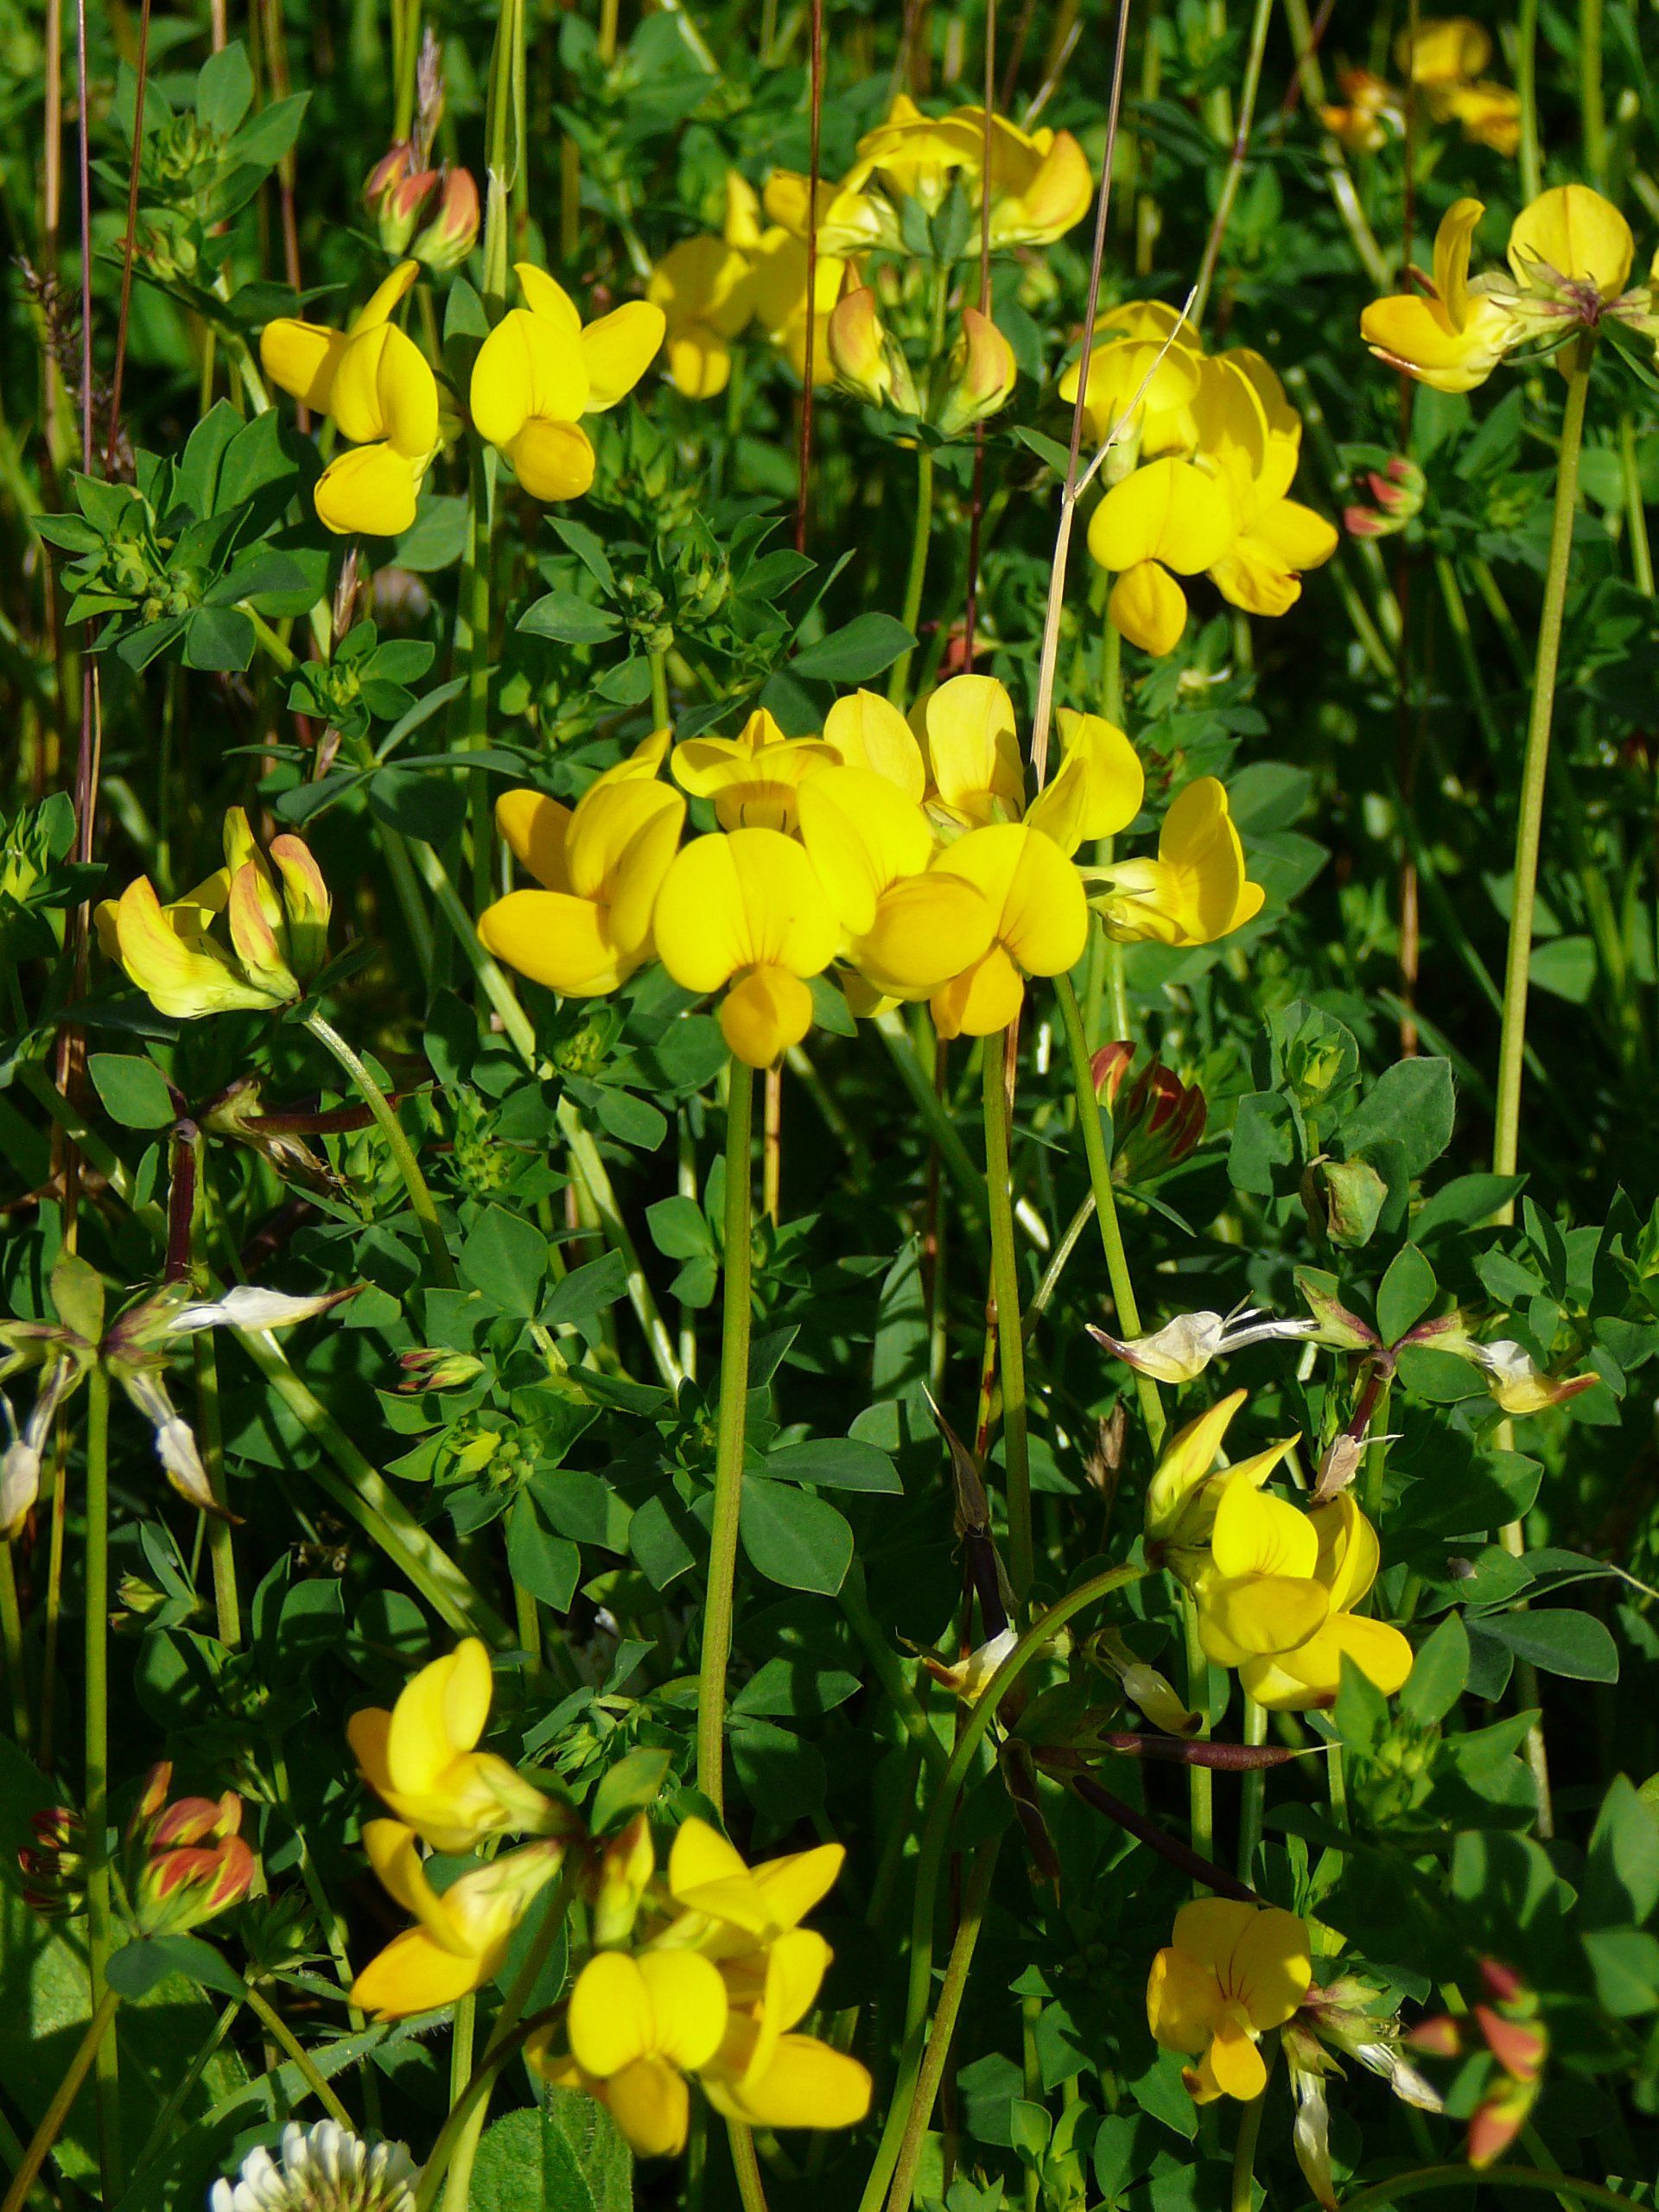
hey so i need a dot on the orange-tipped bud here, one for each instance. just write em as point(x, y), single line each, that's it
point(1518, 2046)
point(187, 1861)
point(980, 374)
point(868, 360)
point(1440, 2038)
point(396, 194)
point(1157, 1121)
point(1497, 2120)
point(452, 231)
point(53, 1881)
point(1504, 1985)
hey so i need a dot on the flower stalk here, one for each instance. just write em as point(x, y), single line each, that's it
point(97, 1600)
point(402, 1153)
point(997, 1053)
point(735, 1318)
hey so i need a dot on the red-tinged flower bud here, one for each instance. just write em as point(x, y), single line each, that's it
point(1365, 522)
point(868, 360)
point(980, 375)
point(1518, 2046)
point(1440, 2038)
point(429, 1367)
point(187, 1860)
point(51, 1867)
point(1399, 489)
point(1157, 1121)
point(1504, 1985)
point(396, 194)
point(1108, 1067)
point(452, 231)
point(1498, 2120)
point(151, 1799)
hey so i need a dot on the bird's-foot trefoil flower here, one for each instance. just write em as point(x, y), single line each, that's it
point(1169, 518)
point(747, 910)
point(461, 1937)
point(541, 370)
point(422, 1760)
point(753, 779)
point(1185, 1487)
point(1519, 1384)
point(1231, 1972)
point(185, 1861)
point(375, 385)
point(1197, 889)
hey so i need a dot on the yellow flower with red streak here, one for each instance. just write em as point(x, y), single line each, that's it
point(1231, 1972)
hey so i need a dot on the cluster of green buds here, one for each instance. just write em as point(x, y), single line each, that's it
point(968, 384)
point(1157, 1121)
point(184, 1861)
point(53, 1865)
point(1507, 2033)
point(1398, 488)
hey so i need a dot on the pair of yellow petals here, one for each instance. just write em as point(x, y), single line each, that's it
point(1231, 1973)
point(535, 376)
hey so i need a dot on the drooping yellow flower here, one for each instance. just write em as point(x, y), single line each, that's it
point(1038, 183)
point(1454, 339)
point(1040, 922)
point(703, 287)
point(375, 385)
point(279, 931)
point(1277, 1602)
point(599, 865)
point(540, 371)
point(460, 1938)
point(422, 1758)
point(1198, 889)
point(1169, 518)
point(746, 909)
point(753, 778)
point(1253, 435)
point(1231, 1972)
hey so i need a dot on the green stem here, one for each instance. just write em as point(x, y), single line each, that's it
point(1242, 2197)
point(97, 1600)
point(11, 1628)
point(975, 1891)
point(1105, 1195)
point(1426, 2178)
point(1200, 1782)
point(402, 1153)
point(661, 712)
point(935, 1846)
point(745, 2166)
point(1636, 512)
point(221, 1549)
point(585, 1153)
point(57, 2112)
point(735, 1318)
point(475, 702)
point(921, 527)
point(1592, 110)
point(458, 2183)
point(1526, 92)
point(1258, 46)
point(286, 2040)
point(1518, 968)
point(1005, 1289)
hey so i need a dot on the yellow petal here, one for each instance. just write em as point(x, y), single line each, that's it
point(547, 298)
point(1272, 1966)
point(1149, 607)
point(371, 490)
point(1032, 889)
point(608, 823)
point(415, 1975)
point(301, 357)
point(388, 296)
point(651, 2104)
point(766, 1012)
point(184, 977)
point(1349, 1553)
point(699, 361)
point(1573, 233)
point(703, 1866)
point(808, 2084)
point(552, 460)
point(529, 365)
point(367, 1732)
point(1183, 2001)
point(862, 834)
point(556, 939)
point(749, 898)
point(611, 2020)
point(1115, 783)
point(984, 998)
point(1210, 1929)
point(925, 932)
point(688, 2000)
point(1256, 1534)
point(973, 750)
point(1255, 1616)
point(1168, 511)
point(618, 349)
point(1238, 2065)
point(701, 284)
point(868, 732)
point(1417, 335)
point(1188, 1459)
point(442, 1710)
point(535, 829)
point(382, 389)
point(1452, 242)
point(1443, 50)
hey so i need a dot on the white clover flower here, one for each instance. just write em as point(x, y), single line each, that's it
point(320, 2169)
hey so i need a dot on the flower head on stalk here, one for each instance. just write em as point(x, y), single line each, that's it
point(541, 370)
point(1197, 889)
point(745, 913)
point(375, 385)
point(1230, 1972)
point(277, 926)
point(323, 2168)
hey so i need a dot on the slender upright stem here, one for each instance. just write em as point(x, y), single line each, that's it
point(97, 1599)
point(458, 2183)
point(1636, 512)
point(745, 2166)
point(1242, 2197)
point(975, 1891)
point(1262, 17)
point(285, 2039)
point(402, 1153)
point(1201, 1796)
point(63, 2097)
point(1526, 92)
point(1100, 1182)
point(1518, 968)
point(1010, 1334)
point(12, 1628)
point(1253, 1793)
point(1591, 109)
point(729, 1449)
point(921, 528)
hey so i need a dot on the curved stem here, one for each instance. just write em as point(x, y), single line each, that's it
point(402, 1153)
point(898, 680)
point(63, 2097)
point(729, 1449)
point(1100, 1182)
point(284, 2036)
point(975, 1891)
point(96, 1599)
point(1010, 1331)
point(1425, 2177)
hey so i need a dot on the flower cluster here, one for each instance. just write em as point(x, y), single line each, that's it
point(1570, 256)
point(1444, 56)
point(1202, 452)
point(186, 1861)
point(1276, 1588)
point(709, 1974)
point(323, 2168)
point(905, 173)
point(535, 378)
point(423, 1760)
point(908, 855)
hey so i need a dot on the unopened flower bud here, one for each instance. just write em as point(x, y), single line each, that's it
point(1519, 2046)
point(53, 1879)
point(1157, 1121)
point(452, 229)
point(429, 1367)
point(1497, 2120)
point(626, 1867)
point(969, 1676)
point(868, 360)
point(980, 375)
point(187, 1861)
point(396, 193)
point(1351, 1194)
point(1440, 2038)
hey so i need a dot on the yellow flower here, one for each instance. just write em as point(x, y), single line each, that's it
point(1140, 394)
point(978, 377)
point(1370, 115)
point(1169, 516)
point(1098, 788)
point(279, 937)
point(540, 371)
point(1181, 1498)
point(1277, 1601)
point(1253, 435)
point(1039, 922)
point(600, 866)
point(867, 732)
point(1231, 1972)
point(753, 778)
point(636, 2027)
point(375, 385)
point(1454, 339)
point(1196, 890)
point(1446, 50)
point(422, 1757)
point(1575, 248)
point(460, 1939)
point(1490, 114)
point(748, 910)
point(1039, 183)
point(702, 286)
point(779, 294)
point(976, 774)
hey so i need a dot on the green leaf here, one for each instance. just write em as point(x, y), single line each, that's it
point(223, 89)
point(133, 1090)
point(1406, 1292)
point(1559, 1640)
point(437, 537)
point(836, 1462)
point(793, 1538)
point(218, 641)
point(860, 650)
point(1438, 1676)
point(634, 1782)
point(679, 1228)
point(506, 1258)
point(567, 2157)
point(547, 1566)
point(572, 621)
point(1622, 1876)
point(586, 1291)
point(1414, 1102)
point(137, 1966)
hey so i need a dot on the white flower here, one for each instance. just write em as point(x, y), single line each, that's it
point(1185, 1346)
point(321, 2169)
point(176, 1443)
point(248, 1307)
point(969, 1676)
point(20, 1464)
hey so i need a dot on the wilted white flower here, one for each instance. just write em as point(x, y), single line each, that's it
point(20, 1464)
point(248, 1307)
point(320, 2169)
point(176, 1444)
point(1185, 1346)
point(1518, 1383)
point(969, 1675)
